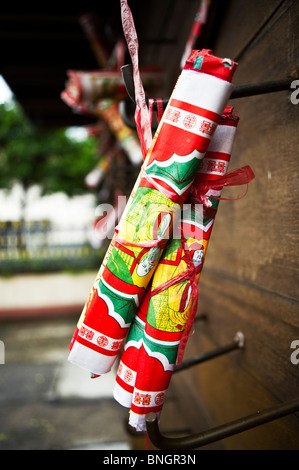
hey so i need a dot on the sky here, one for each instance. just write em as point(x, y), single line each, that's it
point(5, 92)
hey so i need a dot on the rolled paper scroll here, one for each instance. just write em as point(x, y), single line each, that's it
point(104, 150)
point(97, 174)
point(196, 30)
point(98, 42)
point(86, 93)
point(107, 110)
point(151, 348)
point(164, 182)
point(127, 138)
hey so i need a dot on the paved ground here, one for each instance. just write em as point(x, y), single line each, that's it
point(48, 403)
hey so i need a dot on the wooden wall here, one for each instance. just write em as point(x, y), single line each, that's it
point(250, 279)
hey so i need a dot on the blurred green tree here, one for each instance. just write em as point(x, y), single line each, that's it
point(49, 159)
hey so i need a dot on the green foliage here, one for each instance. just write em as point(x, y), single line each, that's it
point(49, 159)
point(68, 162)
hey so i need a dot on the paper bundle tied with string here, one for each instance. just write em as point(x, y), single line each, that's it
point(169, 169)
point(158, 335)
point(107, 111)
point(91, 86)
point(94, 85)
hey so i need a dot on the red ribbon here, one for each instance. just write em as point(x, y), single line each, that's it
point(234, 178)
point(237, 177)
point(194, 287)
